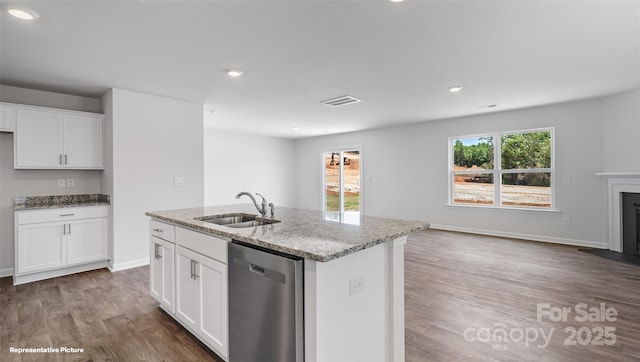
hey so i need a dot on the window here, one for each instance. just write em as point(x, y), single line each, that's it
point(341, 195)
point(509, 169)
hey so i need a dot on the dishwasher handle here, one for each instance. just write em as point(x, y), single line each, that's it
point(254, 268)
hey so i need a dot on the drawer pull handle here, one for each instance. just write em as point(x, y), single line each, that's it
point(158, 230)
point(67, 214)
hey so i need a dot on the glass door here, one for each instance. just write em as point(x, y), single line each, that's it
point(342, 196)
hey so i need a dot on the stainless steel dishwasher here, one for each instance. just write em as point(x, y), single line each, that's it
point(265, 305)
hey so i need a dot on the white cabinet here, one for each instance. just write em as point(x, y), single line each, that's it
point(41, 246)
point(54, 242)
point(87, 240)
point(202, 297)
point(162, 260)
point(51, 138)
point(199, 270)
point(7, 118)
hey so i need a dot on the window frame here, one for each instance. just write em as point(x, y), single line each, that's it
point(497, 170)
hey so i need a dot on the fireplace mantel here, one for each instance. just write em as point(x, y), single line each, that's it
point(617, 183)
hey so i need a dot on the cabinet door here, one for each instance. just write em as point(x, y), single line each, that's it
point(7, 118)
point(212, 281)
point(186, 288)
point(41, 246)
point(38, 139)
point(82, 141)
point(87, 240)
point(162, 272)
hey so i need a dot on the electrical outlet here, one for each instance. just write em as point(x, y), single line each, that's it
point(356, 285)
point(61, 183)
point(178, 181)
point(566, 181)
point(71, 182)
point(566, 221)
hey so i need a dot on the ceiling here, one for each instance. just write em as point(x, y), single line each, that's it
point(398, 58)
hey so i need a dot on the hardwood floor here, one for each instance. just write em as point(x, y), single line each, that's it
point(454, 283)
point(110, 315)
point(460, 282)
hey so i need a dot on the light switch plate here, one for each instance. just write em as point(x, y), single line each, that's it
point(61, 182)
point(178, 181)
point(71, 182)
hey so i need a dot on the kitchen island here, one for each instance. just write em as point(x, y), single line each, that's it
point(353, 275)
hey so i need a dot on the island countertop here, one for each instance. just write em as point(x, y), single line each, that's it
point(300, 232)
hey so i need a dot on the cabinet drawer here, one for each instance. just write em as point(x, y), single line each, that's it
point(207, 245)
point(61, 214)
point(162, 230)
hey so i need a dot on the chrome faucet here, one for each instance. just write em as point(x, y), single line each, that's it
point(262, 210)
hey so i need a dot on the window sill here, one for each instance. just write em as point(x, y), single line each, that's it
point(507, 208)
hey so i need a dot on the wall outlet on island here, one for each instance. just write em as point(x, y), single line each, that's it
point(71, 182)
point(61, 182)
point(356, 285)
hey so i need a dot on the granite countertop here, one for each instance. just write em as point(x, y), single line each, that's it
point(301, 232)
point(58, 201)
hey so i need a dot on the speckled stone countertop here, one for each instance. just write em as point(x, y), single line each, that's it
point(301, 232)
point(58, 201)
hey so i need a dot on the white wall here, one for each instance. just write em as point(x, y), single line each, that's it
point(35, 182)
point(409, 173)
point(235, 162)
point(621, 130)
point(155, 139)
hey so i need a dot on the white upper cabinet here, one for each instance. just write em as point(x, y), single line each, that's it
point(82, 140)
point(47, 138)
point(37, 140)
point(7, 118)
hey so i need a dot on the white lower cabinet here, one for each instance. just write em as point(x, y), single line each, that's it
point(87, 240)
point(162, 273)
point(55, 242)
point(41, 246)
point(202, 297)
point(198, 270)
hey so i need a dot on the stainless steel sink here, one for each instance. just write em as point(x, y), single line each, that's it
point(227, 219)
point(248, 224)
point(238, 220)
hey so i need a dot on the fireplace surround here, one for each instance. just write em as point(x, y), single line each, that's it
point(618, 183)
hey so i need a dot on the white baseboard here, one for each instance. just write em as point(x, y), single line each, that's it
point(128, 264)
point(6, 272)
point(542, 238)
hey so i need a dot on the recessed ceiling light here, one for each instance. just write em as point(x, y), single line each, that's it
point(234, 73)
point(488, 106)
point(396, 1)
point(295, 128)
point(455, 88)
point(22, 13)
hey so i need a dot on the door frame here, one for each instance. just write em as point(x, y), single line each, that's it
point(341, 149)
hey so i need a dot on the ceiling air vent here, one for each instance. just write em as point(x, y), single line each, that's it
point(340, 101)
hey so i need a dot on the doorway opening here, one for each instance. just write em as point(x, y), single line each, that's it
point(342, 196)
